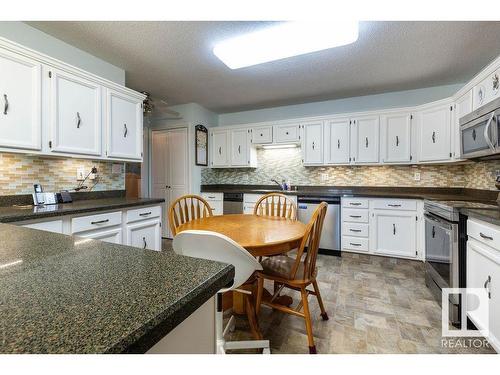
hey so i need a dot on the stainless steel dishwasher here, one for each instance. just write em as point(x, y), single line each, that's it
point(233, 203)
point(330, 235)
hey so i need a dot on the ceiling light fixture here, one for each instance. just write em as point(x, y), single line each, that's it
point(285, 40)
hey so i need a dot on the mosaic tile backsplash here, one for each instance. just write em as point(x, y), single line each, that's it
point(18, 173)
point(286, 164)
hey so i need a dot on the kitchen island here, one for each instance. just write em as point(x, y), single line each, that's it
point(67, 294)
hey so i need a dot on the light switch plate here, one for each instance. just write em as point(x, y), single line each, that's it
point(80, 174)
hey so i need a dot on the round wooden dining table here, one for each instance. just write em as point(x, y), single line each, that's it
point(260, 236)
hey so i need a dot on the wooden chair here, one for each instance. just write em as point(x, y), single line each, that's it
point(296, 274)
point(276, 204)
point(187, 208)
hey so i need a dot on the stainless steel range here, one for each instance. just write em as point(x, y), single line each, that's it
point(444, 256)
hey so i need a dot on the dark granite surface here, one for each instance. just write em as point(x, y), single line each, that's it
point(64, 294)
point(490, 216)
point(29, 212)
point(372, 191)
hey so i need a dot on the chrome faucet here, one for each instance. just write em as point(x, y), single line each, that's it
point(276, 182)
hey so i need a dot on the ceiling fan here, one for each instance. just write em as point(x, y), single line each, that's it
point(157, 109)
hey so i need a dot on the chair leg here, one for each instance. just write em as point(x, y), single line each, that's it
point(260, 291)
point(307, 317)
point(324, 315)
point(252, 318)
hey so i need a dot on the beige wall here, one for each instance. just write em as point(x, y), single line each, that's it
point(287, 164)
point(18, 173)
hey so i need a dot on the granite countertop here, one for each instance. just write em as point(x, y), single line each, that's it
point(13, 213)
point(430, 193)
point(64, 294)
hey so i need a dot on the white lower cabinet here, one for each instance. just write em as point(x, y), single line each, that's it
point(109, 235)
point(215, 200)
point(395, 233)
point(249, 201)
point(55, 226)
point(483, 274)
point(144, 234)
point(383, 226)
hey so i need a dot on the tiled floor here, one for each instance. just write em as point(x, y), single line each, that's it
point(375, 305)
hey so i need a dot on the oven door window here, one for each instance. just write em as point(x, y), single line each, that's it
point(438, 248)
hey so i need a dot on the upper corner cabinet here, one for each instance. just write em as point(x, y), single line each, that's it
point(75, 114)
point(124, 125)
point(20, 102)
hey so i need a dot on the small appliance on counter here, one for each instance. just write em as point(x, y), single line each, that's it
point(40, 198)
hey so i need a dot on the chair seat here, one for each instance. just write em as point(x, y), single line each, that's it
point(281, 266)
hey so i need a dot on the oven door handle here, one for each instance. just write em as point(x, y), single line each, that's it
point(487, 132)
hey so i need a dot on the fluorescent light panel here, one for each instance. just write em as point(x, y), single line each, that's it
point(285, 40)
point(273, 147)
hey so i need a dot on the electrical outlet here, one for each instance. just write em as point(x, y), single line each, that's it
point(323, 177)
point(92, 176)
point(417, 176)
point(80, 174)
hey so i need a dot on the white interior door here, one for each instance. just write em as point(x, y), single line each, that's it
point(169, 168)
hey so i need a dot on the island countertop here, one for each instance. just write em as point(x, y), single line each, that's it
point(64, 294)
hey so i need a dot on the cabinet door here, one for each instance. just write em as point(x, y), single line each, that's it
point(55, 226)
point(262, 135)
point(337, 150)
point(75, 114)
point(287, 133)
point(219, 148)
point(312, 145)
point(463, 106)
point(20, 102)
point(145, 235)
point(435, 140)
point(395, 233)
point(111, 236)
point(396, 137)
point(239, 148)
point(124, 126)
point(367, 139)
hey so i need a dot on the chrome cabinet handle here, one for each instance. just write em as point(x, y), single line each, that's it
point(354, 244)
point(6, 104)
point(261, 134)
point(397, 141)
point(485, 236)
point(355, 230)
point(473, 134)
point(78, 120)
point(366, 142)
point(239, 149)
point(394, 205)
point(338, 143)
point(220, 150)
point(487, 131)
point(487, 284)
point(125, 130)
point(313, 145)
point(99, 221)
point(145, 214)
point(286, 133)
point(433, 137)
point(145, 243)
point(433, 231)
point(394, 229)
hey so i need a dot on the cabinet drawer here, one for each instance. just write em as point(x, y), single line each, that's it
point(83, 223)
point(395, 204)
point(55, 226)
point(484, 233)
point(251, 198)
point(262, 135)
point(355, 243)
point(287, 133)
point(355, 202)
point(217, 207)
point(143, 213)
point(212, 197)
point(354, 229)
point(109, 235)
point(354, 215)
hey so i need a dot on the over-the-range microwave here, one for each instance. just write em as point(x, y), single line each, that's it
point(480, 133)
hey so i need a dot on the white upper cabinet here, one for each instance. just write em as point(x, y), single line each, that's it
point(20, 102)
point(287, 133)
point(395, 142)
point(463, 106)
point(240, 147)
point(312, 143)
point(434, 133)
point(262, 135)
point(365, 139)
point(219, 148)
point(337, 141)
point(75, 114)
point(487, 90)
point(124, 126)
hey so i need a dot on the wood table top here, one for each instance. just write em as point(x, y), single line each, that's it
point(260, 235)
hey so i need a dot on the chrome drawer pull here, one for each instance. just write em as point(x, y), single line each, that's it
point(355, 204)
point(355, 230)
point(6, 104)
point(394, 205)
point(209, 197)
point(99, 222)
point(354, 244)
point(485, 236)
point(355, 216)
point(145, 214)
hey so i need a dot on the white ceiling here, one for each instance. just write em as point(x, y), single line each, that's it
point(174, 60)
